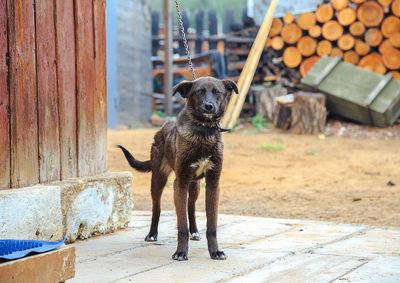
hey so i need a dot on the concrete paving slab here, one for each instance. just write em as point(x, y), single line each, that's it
point(258, 250)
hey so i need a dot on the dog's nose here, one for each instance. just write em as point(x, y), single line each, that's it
point(209, 107)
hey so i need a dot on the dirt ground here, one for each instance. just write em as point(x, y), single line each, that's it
point(353, 178)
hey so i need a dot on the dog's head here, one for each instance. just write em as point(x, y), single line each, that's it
point(207, 97)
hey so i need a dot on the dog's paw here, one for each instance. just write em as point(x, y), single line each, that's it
point(195, 236)
point(180, 256)
point(218, 255)
point(151, 238)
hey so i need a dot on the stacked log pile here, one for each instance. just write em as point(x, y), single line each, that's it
point(362, 33)
point(238, 47)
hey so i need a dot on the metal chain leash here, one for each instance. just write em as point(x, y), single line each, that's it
point(185, 43)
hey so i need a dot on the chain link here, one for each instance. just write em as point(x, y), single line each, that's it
point(185, 43)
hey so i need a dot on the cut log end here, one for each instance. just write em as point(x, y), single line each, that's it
point(292, 57)
point(336, 52)
point(390, 26)
point(395, 40)
point(385, 2)
point(357, 29)
point(384, 46)
point(288, 18)
point(306, 20)
point(372, 62)
point(391, 58)
point(346, 42)
point(396, 8)
point(291, 33)
point(276, 27)
point(277, 43)
point(370, 13)
point(339, 5)
point(324, 13)
point(307, 46)
point(332, 30)
point(396, 75)
point(307, 65)
point(351, 57)
point(315, 31)
point(324, 48)
point(347, 16)
point(361, 47)
point(373, 37)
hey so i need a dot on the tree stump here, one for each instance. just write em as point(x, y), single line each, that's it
point(283, 115)
point(308, 113)
point(266, 101)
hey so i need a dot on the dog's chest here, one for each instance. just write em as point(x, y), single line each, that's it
point(202, 165)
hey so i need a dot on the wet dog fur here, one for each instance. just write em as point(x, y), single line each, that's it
point(193, 148)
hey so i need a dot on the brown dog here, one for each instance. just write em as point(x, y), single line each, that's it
point(193, 148)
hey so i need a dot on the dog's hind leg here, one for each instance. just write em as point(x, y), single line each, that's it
point(194, 191)
point(158, 181)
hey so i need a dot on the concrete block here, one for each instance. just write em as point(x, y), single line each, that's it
point(31, 213)
point(96, 205)
point(75, 208)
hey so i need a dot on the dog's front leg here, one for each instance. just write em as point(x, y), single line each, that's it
point(212, 199)
point(181, 186)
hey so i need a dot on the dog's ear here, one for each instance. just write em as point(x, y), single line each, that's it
point(230, 86)
point(183, 88)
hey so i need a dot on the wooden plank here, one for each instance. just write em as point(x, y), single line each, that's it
point(53, 266)
point(48, 129)
point(65, 52)
point(328, 68)
point(4, 102)
point(85, 71)
point(168, 34)
point(100, 101)
point(23, 95)
point(377, 89)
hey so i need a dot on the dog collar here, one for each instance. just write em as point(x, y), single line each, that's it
point(214, 125)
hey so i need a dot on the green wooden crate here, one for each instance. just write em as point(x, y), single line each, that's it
point(355, 93)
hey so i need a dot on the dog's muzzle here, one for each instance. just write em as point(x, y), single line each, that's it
point(208, 108)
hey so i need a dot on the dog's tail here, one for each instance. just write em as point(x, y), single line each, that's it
point(142, 166)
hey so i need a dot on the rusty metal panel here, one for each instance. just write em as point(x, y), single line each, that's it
point(258, 8)
point(65, 51)
point(49, 140)
point(86, 86)
point(4, 102)
point(100, 101)
point(23, 96)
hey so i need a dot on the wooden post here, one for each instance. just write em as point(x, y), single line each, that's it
point(49, 143)
point(212, 28)
point(167, 57)
point(66, 77)
point(86, 87)
point(4, 102)
point(22, 76)
point(229, 20)
point(247, 74)
point(155, 21)
point(199, 30)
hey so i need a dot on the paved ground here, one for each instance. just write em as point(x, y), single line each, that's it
point(258, 250)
